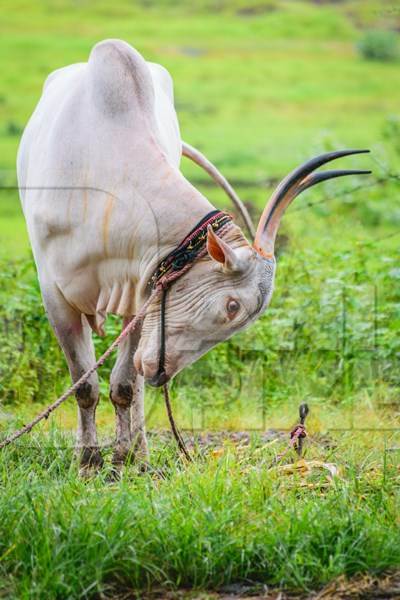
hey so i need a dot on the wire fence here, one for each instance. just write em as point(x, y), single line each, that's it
point(361, 360)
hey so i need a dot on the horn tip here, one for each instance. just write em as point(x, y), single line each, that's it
point(359, 151)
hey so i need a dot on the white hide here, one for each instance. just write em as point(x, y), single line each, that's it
point(98, 170)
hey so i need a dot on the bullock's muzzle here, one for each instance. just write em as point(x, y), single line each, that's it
point(158, 379)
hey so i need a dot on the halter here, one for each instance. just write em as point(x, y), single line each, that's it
point(176, 263)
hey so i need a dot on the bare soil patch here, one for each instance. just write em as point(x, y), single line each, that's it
point(361, 587)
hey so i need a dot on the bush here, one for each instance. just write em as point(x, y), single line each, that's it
point(391, 131)
point(379, 45)
point(13, 129)
point(304, 345)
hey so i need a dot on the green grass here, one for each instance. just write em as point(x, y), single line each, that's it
point(221, 520)
point(249, 90)
point(260, 86)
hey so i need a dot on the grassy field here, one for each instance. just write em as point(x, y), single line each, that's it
point(260, 86)
point(228, 518)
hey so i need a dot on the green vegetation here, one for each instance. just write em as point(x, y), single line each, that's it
point(260, 86)
point(221, 520)
point(379, 45)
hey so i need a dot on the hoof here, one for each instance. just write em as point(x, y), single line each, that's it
point(140, 448)
point(118, 468)
point(115, 473)
point(120, 457)
point(90, 461)
point(136, 453)
point(137, 457)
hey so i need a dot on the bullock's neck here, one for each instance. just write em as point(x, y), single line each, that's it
point(175, 208)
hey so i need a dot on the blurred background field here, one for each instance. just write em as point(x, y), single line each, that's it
point(260, 85)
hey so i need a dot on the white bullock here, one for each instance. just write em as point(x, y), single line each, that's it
point(105, 201)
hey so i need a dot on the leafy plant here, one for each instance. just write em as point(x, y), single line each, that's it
point(379, 45)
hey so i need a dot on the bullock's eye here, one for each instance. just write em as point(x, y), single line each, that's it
point(232, 307)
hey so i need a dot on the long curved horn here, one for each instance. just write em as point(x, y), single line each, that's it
point(199, 158)
point(296, 182)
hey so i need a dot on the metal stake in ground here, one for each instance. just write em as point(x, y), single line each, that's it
point(303, 412)
point(297, 436)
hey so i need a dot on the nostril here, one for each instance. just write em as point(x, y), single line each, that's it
point(158, 379)
point(162, 378)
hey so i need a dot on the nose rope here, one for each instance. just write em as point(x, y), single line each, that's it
point(176, 263)
point(161, 360)
point(177, 434)
point(164, 283)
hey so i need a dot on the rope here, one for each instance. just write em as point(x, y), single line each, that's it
point(161, 358)
point(73, 388)
point(175, 430)
point(160, 289)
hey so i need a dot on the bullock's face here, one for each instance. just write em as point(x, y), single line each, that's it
point(220, 295)
point(230, 289)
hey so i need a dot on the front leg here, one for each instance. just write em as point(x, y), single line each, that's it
point(127, 396)
point(75, 338)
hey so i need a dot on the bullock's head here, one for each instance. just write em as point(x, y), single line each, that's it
point(228, 289)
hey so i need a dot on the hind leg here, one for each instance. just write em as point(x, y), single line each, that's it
point(75, 337)
point(127, 396)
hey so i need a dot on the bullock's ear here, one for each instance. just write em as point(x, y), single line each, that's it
point(221, 252)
